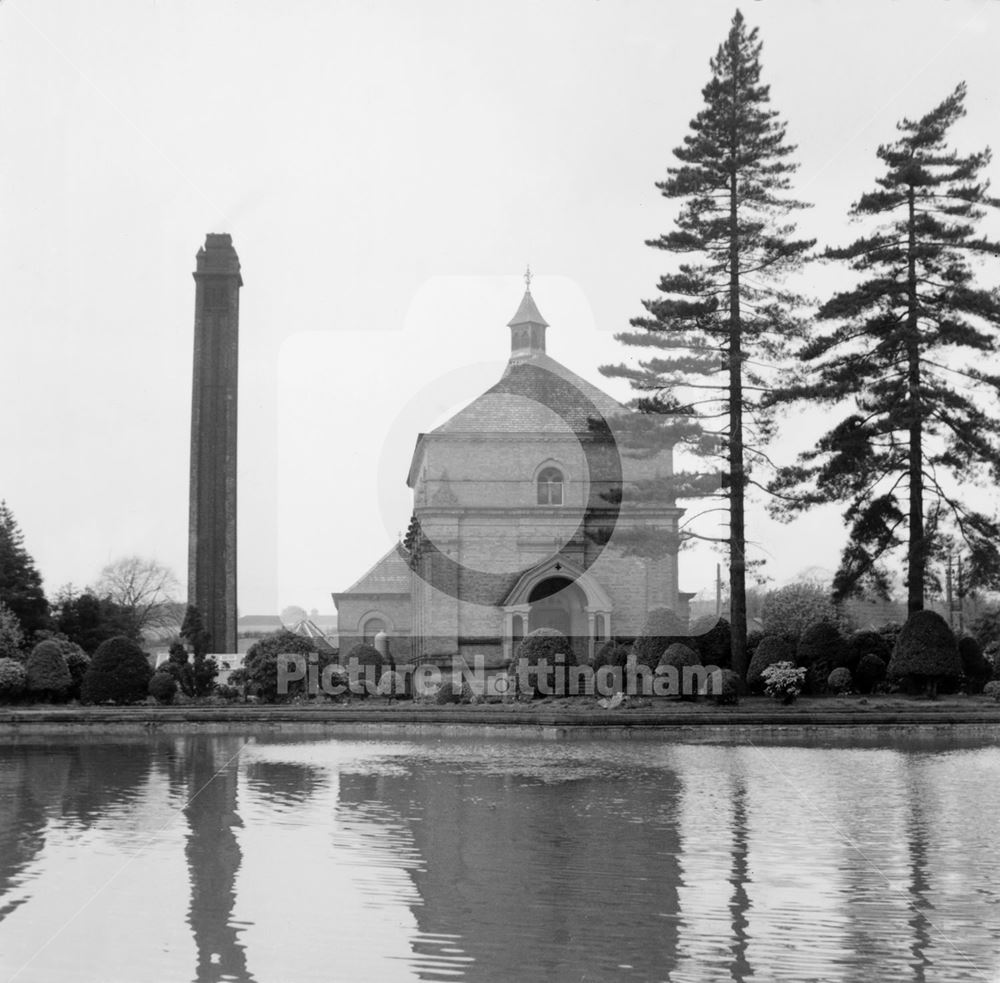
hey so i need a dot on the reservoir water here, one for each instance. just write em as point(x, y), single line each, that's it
point(277, 858)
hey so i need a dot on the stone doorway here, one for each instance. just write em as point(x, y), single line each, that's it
point(558, 603)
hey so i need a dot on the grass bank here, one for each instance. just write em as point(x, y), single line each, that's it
point(965, 713)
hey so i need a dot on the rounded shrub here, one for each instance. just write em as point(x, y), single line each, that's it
point(548, 644)
point(975, 669)
point(118, 673)
point(662, 627)
point(890, 632)
point(820, 650)
point(366, 655)
point(992, 689)
point(712, 639)
point(543, 644)
point(724, 688)
point(163, 687)
point(771, 650)
point(448, 692)
point(839, 681)
point(754, 638)
point(792, 609)
point(48, 674)
point(78, 662)
point(869, 672)
point(611, 653)
point(866, 642)
point(926, 654)
point(679, 656)
point(260, 665)
point(13, 680)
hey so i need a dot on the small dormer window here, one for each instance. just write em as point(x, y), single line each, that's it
point(550, 487)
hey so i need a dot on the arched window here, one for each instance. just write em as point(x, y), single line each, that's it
point(372, 627)
point(550, 487)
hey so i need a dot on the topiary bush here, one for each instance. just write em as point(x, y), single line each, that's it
point(663, 626)
point(118, 673)
point(926, 654)
point(866, 642)
point(48, 675)
point(163, 687)
point(544, 643)
point(890, 632)
point(792, 609)
point(548, 644)
point(993, 689)
point(366, 655)
point(260, 665)
point(725, 688)
point(611, 653)
point(839, 681)
point(771, 650)
point(869, 672)
point(448, 692)
point(712, 639)
point(820, 650)
point(78, 662)
point(678, 656)
point(975, 669)
point(13, 680)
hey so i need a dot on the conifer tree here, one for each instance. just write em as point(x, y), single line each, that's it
point(20, 583)
point(909, 354)
point(722, 312)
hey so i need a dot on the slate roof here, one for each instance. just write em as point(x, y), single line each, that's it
point(527, 313)
point(390, 575)
point(548, 397)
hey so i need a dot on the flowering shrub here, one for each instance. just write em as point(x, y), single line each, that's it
point(792, 609)
point(783, 681)
point(13, 679)
point(993, 689)
point(770, 651)
point(11, 635)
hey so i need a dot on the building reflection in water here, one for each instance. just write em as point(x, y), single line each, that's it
point(507, 860)
point(523, 875)
point(204, 771)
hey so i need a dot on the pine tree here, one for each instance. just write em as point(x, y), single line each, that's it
point(722, 309)
point(906, 356)
point(20, 583)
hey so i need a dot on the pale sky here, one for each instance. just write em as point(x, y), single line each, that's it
point(386, 170)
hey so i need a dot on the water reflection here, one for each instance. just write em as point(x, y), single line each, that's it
point(243, 858)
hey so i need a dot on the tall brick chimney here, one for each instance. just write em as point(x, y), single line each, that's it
point(212, 529)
